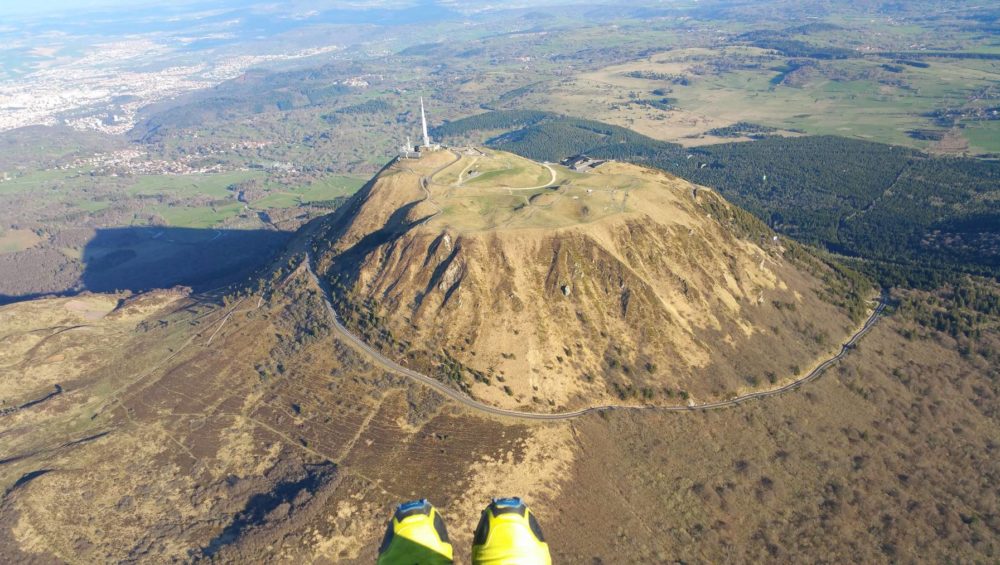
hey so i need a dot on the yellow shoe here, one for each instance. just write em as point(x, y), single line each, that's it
point(508, 534)
point(416, 534)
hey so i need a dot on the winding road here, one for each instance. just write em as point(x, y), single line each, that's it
point(393, 367)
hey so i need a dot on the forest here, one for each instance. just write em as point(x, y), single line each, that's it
point(900, 215)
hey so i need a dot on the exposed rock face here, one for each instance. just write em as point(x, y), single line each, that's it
point(665, 293)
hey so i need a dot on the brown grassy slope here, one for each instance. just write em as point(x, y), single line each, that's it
point(626, 285)
point(272, 439)
point(277, 442)
point(891, 457)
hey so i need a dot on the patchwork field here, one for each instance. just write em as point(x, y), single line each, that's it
point(681, 95)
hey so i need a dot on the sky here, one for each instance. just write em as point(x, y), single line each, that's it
point(47, 7)
point(58, 7)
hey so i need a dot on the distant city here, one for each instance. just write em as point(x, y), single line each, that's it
point(105, 89)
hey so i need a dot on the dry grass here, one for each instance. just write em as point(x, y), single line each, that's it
point(276, 442)
point(505, 170)
point(888, 457)
point(47, 342)
point(618, 285)
point(18, 240)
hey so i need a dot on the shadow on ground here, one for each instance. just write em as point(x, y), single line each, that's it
point(140, 259)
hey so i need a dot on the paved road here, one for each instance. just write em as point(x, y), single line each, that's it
point(458, 396)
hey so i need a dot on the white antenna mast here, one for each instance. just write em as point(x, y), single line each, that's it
point(423, 118)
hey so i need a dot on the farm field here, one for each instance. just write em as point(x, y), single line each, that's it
point(872, 98)
point(326, 188)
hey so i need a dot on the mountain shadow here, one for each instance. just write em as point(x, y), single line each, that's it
point(141, 259)
point(261, 507)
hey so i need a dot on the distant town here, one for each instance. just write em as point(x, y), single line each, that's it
point(104, 90)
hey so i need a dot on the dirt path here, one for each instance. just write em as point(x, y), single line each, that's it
point(465, 170)
point(552, 172)
point(552, 179)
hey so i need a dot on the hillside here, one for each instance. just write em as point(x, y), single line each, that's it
point(914, 217)
point(530, 285)
point(242, 428)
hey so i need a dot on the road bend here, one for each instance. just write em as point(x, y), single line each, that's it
point(391, 366)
